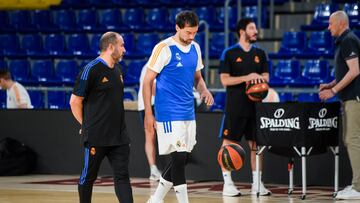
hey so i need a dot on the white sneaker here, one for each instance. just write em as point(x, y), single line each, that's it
point(150, 200)
point(155, 175)
point(230, 190)
point(348, 194)
point(347, 188)
point(263, 190)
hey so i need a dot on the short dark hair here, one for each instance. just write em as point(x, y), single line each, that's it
point(187, 18)
point(107, 39)
point(242, 24)
point(5, 74)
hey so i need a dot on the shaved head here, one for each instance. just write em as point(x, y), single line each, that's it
point(338, 23)
point(341, 16)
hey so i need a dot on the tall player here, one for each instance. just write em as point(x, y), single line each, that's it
point(176, 64)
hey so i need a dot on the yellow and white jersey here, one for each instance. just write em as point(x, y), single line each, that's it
point(16, 96)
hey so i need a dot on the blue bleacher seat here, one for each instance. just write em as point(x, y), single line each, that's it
point(43, 20)
point(132, 74)
point(55, 45)
point(208, 14)
point(352, 10)
point(4, 21)
point(134, 18)
point(111, 19)
point(42, 72)
point(146, 3)
point(65, 19)
point(287, 72)
point(292, 44)
point(219, 101)
point(95, 44)
point(174, 3)
point(145, 43)
point(66, 71)
point(157, 19)
point(87, 19)
point(286, 97)
point(128, 96)
point(314, 72)
point(56, 100)
point(200, 39)
point(129, 40)
point(37, 99)
point(320, 45)
point(78, 45)
point(9, 45)
point(172, 14)
point(21, 20)
point(20, 71)
point(2, 99)
point(216, 46)
point(232, 17)
point(308, 97)
point(32, 45)
point(321, 17)
point(101, 3)
point(75, 3)
point(3, 65)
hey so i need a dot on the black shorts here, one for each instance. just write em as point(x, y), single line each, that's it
point(234, 127)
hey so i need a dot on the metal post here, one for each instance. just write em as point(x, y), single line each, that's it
point(206, 55)
point(271, 14)
point(226, 23)
point(239, 10)
point(259, 7)
point(303, 166)
point(291, 176)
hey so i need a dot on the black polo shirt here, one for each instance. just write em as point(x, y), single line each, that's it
point(103, 109)
point(347, 46)
point(237, 62)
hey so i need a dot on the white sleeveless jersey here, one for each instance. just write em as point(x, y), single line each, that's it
point(176, 66)
point(16, 96)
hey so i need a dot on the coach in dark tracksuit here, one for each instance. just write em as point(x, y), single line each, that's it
point(97, 104)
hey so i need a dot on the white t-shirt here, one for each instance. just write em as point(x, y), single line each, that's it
point(140, 93)
point(16, 96)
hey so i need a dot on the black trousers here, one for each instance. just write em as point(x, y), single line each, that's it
point(119, 160)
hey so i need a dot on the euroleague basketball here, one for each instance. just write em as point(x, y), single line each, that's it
point(231, 157)
point(257, 92)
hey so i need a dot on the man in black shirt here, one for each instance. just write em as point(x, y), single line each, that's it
point(347, 87)
point(97, 104)
point(241, 63)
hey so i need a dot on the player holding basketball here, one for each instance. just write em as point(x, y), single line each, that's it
point(176, 64)
point(241, 63)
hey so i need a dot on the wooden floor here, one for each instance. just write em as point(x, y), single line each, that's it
point(63, 189)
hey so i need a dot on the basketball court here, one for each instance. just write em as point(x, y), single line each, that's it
point(63, 189)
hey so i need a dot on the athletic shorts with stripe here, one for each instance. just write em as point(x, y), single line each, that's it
point(179, 136)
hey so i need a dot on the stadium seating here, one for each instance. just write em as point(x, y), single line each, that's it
point(308, 97)
point(78, 45)
point(37, 99)
point(20, 20)
point(2, 99)
point(43, 72)
point(56, 100)
point(292, 44)
point(87, 20)
point(55, 45)
point(9, 45)
point(64, 20)
point(43, 20)
point(352, 10)
point(321, 17)
point(286, 73)
point(3, 65)
point(314, 72)
point(66, 71)
point(286, 97)
point(132, 74)
point(111, 19)
point(134, 18)
point(32, 45)
point(219, 101)
point(157, 19)
point(145, 44)
point(20, 71)
point(320, 45)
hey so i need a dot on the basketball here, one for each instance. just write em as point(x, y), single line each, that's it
point(257, 92)
point(231, 157)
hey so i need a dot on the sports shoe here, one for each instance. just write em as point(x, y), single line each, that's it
point(263, 190)
point(230, 190)
point(347, 188)
point(150, 200)
point(348, 193)
point(155, 174)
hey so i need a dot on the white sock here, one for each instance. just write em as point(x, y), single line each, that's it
point(162, 189)
point(181, 193)
point(255, 177)
point(227, 177)
point(153, 169)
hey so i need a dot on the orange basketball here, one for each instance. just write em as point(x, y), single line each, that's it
point(231, 157)
point(257, 92)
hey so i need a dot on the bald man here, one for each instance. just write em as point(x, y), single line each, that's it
point(346, 87)
point(97, 104)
